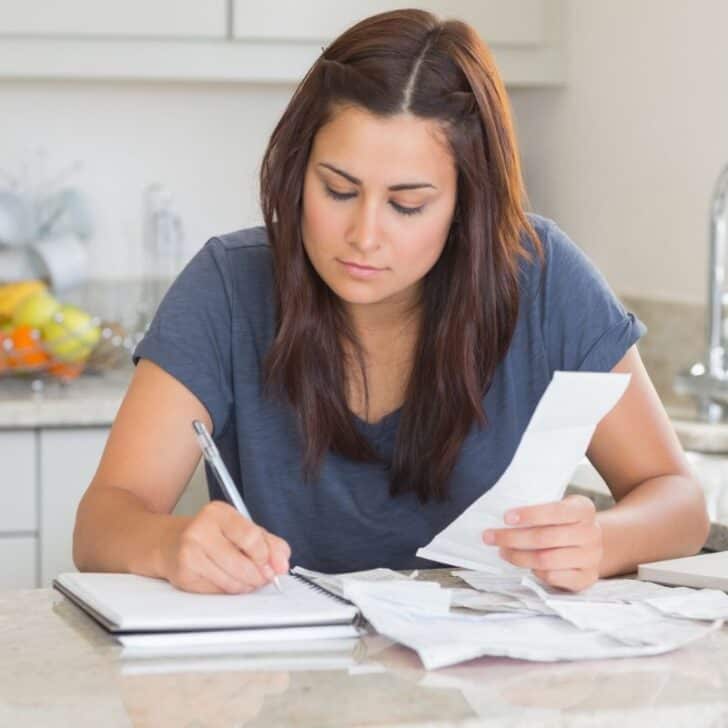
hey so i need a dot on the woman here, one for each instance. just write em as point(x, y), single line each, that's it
point(368, 360)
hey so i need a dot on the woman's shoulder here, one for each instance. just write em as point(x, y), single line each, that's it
point(244, 239)
point(243, 258)
point(563, 260)
point(554, 241)
point(248, 243)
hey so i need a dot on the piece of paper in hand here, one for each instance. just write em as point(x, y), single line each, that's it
point(550, 449)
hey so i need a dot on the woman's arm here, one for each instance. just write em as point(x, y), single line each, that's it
point(660, 509)
point(124, 521)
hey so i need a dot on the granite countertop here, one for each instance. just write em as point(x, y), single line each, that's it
point(59, 668)
point(90, 400)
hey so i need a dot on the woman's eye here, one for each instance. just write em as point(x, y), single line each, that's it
point(339, 195)
point(348, 195)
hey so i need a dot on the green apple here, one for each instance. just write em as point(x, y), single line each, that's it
point(70, 335)
point(34, 310)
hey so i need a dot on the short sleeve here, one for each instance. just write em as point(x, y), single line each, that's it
point(585, 325)
point(190, 333)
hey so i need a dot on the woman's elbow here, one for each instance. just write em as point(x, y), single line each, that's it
point(701, 519)
point(80, 543)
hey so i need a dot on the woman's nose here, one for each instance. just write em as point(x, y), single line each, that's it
point(365, 233)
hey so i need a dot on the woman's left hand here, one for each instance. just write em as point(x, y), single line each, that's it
point(560, 542)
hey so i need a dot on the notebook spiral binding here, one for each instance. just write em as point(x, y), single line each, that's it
point(320, 588)
point(360, 620)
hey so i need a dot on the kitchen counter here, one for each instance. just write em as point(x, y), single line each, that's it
point(59, 668)
point(90, 400)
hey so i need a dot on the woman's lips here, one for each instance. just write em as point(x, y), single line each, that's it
point(360, 271)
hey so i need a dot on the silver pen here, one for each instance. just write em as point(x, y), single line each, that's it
point(212, 456)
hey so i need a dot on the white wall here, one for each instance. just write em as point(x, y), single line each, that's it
point(204, 141)
point(626, 156)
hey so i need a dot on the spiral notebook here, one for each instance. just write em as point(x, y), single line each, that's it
point(136, 607)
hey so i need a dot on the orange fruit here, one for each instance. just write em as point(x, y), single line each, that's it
point(26, 351)
point(3, 353)
point(66, 370)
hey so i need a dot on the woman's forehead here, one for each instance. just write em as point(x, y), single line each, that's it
point(358, 141)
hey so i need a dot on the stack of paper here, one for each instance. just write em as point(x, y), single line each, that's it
point(619, 618)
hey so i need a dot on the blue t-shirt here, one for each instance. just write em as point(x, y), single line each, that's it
point(216, 323)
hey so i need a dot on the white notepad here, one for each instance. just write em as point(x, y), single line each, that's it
point(708, 571)
point(128, 603)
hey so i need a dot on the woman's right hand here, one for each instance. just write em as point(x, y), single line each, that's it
point(220, 551)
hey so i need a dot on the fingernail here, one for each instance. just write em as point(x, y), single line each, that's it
point(488, 537)
point(268, 572)
point(512, 517)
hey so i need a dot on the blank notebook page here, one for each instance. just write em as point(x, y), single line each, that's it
point(141, 603)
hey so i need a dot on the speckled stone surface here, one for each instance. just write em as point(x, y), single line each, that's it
point(59, 668)
point(90, 400)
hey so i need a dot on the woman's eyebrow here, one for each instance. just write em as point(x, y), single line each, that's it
point(394, 188)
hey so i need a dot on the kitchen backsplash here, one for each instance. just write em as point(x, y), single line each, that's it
point(675, 340)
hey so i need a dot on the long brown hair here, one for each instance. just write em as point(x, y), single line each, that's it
point(394, 62)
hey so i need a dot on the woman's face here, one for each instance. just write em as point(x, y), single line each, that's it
point(378, 192)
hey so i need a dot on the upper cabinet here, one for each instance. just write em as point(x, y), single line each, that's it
point(110, 18)
point(242, 40)
point(511, 22)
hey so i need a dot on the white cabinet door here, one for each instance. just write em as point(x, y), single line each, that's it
point(505, 22)
point(130, 18)
point(18, 481)
point(68, 460)
point(17, 562)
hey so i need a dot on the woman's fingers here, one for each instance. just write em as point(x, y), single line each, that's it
point(560, 542)
point(199, 573)
point(572, 509)
point(234, 562)
point(222, 549)
point(542, 537)
point(573, 580)
point(247, 536)
point(547, 559)
point(280, 553)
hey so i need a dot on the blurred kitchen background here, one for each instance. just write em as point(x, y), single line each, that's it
point(134, 131)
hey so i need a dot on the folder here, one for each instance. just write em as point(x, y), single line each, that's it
point(703, 571)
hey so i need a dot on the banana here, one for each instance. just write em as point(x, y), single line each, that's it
point(11, 294)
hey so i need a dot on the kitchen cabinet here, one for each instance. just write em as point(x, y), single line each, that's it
point(46, 471)
point(18, 515)
point(68, 458)
point(132, 18)
point(18, 562)
point(17, 455)
point(242, 41)
point(502, 22)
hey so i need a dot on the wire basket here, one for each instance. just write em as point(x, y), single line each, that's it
point(25, 354)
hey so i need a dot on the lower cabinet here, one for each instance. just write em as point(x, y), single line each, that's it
point(68, 461)
point(47, 471)
point(68, 458)
point(18, 562)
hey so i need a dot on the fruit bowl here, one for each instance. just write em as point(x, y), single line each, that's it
point(40, 336)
